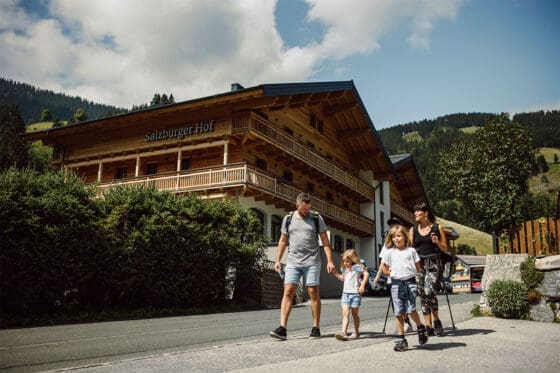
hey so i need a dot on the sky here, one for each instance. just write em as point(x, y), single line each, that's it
point(409, 59)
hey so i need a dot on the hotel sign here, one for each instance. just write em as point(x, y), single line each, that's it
point(181, 132)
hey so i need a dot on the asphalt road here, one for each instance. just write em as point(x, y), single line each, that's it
point(82, 345)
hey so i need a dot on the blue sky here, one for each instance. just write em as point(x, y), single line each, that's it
point(410, 59)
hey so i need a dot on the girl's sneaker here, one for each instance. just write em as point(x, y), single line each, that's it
point(341, 336)
point(355, 336)
point(401, 345)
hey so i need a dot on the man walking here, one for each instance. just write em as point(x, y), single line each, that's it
point(299, 233)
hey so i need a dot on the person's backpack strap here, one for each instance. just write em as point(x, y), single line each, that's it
point(291, 215)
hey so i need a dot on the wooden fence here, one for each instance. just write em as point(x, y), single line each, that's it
point(536, 238)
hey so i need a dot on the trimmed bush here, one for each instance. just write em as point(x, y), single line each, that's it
point(508, 299)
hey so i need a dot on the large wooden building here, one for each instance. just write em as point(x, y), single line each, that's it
point(259, 146)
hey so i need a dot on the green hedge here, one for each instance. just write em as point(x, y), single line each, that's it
point(63, 250)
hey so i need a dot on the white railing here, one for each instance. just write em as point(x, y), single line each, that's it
point(235, 176)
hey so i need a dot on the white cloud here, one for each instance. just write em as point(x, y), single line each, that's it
point(122, 52)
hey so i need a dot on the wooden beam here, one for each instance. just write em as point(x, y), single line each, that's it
point(330, 110)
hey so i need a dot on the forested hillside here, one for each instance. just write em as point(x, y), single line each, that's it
point(32, 101)
point(427, 140)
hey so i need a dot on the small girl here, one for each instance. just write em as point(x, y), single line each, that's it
point(355, 278)
point(405, 264)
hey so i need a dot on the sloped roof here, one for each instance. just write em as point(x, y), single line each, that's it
point(408, 185)
point(338, 101)
point(472, 260)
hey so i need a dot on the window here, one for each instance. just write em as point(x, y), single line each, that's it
point(275, 227)
point(312, 120)
point(320, 126)
point(329, 196)
point(310, 187)
point(261, 163)
point(289, 131)
point(151, 169)
point(338, 242)
point(345, 204)
point(288, 176)
point(260, 215)
point(350, 244)
point(310, 145)
point(382, 222)
point(381, 193)
point(185, 164)
point(120, 173)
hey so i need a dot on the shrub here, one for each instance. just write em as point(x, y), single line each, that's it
point(530, 276)
point(508, 299)
point(476, 311)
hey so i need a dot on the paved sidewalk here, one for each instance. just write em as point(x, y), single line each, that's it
point(481, 344)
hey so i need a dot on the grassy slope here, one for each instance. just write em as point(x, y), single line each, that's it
point(481, 241)
point(553, 174)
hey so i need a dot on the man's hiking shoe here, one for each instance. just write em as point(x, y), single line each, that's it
point(315, 333)
point(438, 328)
point(430, 331)
point(401, 345)
point(341, 336)
point(422, 337)
point(279, 333)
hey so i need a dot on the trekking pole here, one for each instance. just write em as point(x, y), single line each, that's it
point(449, 306)
point(387, 314)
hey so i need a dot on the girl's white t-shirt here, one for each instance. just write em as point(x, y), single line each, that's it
point(351, 284)
point(402, 262)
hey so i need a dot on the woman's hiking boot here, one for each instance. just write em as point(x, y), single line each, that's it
point(438, 328)
point(422, 335)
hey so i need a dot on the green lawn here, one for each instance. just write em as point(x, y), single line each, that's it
point(536, 184)
point(481, 241)
point(471, 129)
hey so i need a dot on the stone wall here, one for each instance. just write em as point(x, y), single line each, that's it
point(550, 289)
point(506, 267)
point(500, 267)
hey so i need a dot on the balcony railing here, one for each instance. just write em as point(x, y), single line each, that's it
point(240, 175)
point(287, 143)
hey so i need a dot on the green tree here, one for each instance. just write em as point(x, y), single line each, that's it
point(79, 116)
point(488, 173)
point(542, 166)
point(52, 253)
point(13, 150)
point(46, 115)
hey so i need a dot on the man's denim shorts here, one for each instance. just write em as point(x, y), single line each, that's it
point(354, 300)
point(311, 274)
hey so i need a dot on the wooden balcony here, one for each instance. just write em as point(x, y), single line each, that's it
point(262, 128)
point(247, 179)
point(399, 210)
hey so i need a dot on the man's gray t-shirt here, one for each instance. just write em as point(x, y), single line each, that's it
point(303, 247)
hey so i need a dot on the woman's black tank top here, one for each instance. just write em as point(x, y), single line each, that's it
point(423, 244)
